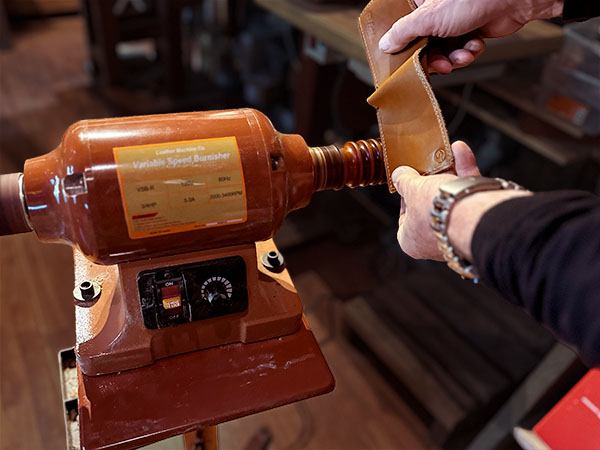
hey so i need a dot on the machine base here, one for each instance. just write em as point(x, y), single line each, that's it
point(112, 335)
point(187, 392)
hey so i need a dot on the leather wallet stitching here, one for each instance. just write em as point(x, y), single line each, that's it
point(434, 103)
point(385, 153)
point(366, 13)
point(363, 34)
point(444, 161)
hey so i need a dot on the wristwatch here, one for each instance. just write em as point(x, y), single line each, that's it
point(450, 193)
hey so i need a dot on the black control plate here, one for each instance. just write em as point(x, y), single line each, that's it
point(179, 294)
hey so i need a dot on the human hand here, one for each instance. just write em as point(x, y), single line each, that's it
point(414, 232)
point(471, 20)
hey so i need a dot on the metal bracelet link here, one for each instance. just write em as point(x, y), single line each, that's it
point(443, 203)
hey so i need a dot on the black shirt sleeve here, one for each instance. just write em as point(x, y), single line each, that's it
point(543, 253)
point(579, 10)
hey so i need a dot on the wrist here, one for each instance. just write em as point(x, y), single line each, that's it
point(451, 194)
point(529, 10)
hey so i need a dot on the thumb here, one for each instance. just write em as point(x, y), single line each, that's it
point(402, 177)
point(464, 160)
point(405, 30)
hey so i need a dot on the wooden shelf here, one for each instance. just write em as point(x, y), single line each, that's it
point(559, 147)
point(337, 27)
point(520, 93)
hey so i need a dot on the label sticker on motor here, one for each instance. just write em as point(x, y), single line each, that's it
point(181, 186)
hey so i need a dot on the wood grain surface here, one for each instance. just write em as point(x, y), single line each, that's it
point(338, 28)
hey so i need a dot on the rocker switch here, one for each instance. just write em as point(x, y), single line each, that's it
point(171, 298)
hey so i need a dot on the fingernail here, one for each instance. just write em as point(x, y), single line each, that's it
point(384, 43)
point(472, 46)
point(457, 60)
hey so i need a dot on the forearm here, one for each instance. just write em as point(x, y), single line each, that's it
point(543, 253)
point(528, 10)
point(467, 213)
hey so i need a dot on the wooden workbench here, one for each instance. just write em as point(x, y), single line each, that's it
point(338, 28)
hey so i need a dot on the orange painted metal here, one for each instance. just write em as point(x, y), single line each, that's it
point(111, 335)
point(73, 194)
point(198, 389)
point(278, 174)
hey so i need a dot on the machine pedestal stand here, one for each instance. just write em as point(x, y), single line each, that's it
point(196, 390)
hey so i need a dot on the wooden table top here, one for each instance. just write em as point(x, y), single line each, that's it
point(338, 28)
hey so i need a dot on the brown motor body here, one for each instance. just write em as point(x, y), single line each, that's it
point(94, 219)
point(73, 194)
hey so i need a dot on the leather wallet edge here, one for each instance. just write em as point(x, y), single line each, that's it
point(446, 160)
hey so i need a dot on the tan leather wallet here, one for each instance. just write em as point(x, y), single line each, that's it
point(412, 128)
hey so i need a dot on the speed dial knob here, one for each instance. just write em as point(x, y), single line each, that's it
point(216, 289)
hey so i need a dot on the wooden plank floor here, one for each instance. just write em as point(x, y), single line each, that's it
point(362, 412)
point(43, 89)
point(36, 320)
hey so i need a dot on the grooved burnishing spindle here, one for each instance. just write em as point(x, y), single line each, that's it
point(357, 163)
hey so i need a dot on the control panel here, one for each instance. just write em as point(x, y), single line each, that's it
point(179, 294)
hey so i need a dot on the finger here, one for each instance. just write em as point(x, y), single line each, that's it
point(464, 160)
point(402, 177)
point(464, 56)
point(437, 60)
point(453, 53)
point(461, 58)
point(476, 46)
point(399, 234)
point(405, 30)
point(439, 63)
point(401, 220)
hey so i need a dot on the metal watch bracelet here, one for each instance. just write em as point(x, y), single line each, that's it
point(450, 193)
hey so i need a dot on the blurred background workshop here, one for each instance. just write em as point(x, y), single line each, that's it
point(421, 358)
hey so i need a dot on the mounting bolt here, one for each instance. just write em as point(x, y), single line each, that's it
point(273, 261)
point(87, 293)
point(87, 290)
